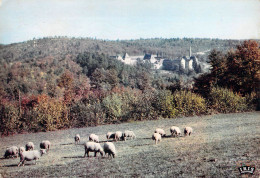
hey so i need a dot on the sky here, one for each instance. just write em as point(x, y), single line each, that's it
point(22, 20)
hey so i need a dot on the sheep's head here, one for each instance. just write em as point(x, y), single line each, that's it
point(21, 149)
point(102, 152)
point(43, 151)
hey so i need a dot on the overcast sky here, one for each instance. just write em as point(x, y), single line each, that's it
point(22, 20)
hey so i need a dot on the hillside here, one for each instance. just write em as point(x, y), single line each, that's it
point(61, 46)
point(57, 84)
point(219, 144)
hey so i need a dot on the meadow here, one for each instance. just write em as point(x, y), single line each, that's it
point(219, 143)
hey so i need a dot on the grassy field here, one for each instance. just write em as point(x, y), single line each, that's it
point(218, 144)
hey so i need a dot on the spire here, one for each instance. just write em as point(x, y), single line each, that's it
point(190, 51)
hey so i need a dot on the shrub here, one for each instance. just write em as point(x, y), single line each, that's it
point(144, 109)
point(9, 118)
point(187, 103)
point(226, 101)
point(164, 104)
point(113, 107)
point(51, 114)
point(86, 114)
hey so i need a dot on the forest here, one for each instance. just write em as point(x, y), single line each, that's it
point(57, 83)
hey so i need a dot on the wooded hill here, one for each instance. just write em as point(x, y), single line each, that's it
point(59, 47)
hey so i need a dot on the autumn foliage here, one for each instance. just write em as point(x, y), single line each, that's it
point(50, 93)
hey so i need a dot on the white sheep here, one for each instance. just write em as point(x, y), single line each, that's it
point(94, 138)
point(119, 136)
point(77, 139)
point(188, 131)
point(110, 149)
point(160, 131)
point(93, 147)
point(110, 135)
point(129, 134)
point(29, 156)
point(21, 149)
point(29, 146)
point(11, 152)
point(157, 137)
point(175, 131)
point(45, 144)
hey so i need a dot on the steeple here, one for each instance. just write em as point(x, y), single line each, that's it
point(190, 51)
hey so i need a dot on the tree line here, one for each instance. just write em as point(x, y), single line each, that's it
point(48, 92)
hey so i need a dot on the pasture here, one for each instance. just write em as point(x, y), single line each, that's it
point(218, 144)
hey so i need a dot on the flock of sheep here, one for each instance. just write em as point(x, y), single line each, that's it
point(28, 153)
point(93, 145)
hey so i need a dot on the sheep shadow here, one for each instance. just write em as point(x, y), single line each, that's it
point(150, 138)
point(16, 165)
point(10, 165)
point(170, 136)
point(70, 157)
point(141, 145)
point(67, 144)
point(106, 141)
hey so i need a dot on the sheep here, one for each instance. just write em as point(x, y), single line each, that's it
point(77, 139)
point(45, 144)
point(157, 137)
point(110, 149)
point(160, 131)
point(175, 131)
point(21, 149)
point(29, 156)
point(129, 134)
point(119, 136)
point(187, 131)
point(11, 152)
point(43, 151)
point(93, 138)
point(29, 146)
point(110, 135)
point(93, 147)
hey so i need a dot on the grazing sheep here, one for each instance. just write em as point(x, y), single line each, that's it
point(188, 131)
point(45, 144)
point(175, 131)
point(119, 136)
point(110, 135)
point(160, 131)
point(21, 149)
point(110, 149)
point(77, 139)
point(129, 134)
point(157, 137)
point(29, 156)
point(29, 146)
point(11, 152)
point(93, 147)
point(43, 151)
point(93, 138)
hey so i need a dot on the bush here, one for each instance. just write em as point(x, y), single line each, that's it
point(9, 118)
point(82, 115)
point(113, 107)
point(144, 109)
point(226, 101)
point(164, 104)
point(187, 103)
point(51, 114)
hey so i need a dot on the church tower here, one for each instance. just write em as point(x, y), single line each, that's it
point(190, 51)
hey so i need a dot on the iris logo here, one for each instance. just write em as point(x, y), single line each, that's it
point(246, 169)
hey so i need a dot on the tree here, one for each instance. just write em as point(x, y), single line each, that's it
point(243, 65)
